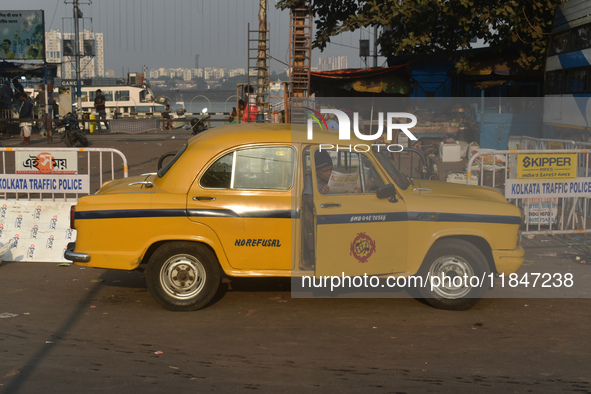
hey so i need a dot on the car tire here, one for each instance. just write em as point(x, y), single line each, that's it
point(452, 258)
point(183, 276)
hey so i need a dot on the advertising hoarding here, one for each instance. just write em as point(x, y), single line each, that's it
point(22, 35)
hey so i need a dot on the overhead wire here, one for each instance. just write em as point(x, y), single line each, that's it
point(191, 28)
point(54, 12)
point(174, 28)
point(201, 28)
point(133, 25)
point(126, 27)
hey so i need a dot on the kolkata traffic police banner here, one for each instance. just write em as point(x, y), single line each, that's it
point(519, 188)
point(25, 183)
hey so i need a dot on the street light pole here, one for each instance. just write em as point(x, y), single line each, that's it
point(77, 15)
point(375, 46)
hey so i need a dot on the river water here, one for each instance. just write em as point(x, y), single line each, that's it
point(198, 104)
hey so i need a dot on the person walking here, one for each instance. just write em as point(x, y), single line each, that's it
point(25, 112)
point(250, 112)
point(7, 94)
point(99, 105)
point(166, 123)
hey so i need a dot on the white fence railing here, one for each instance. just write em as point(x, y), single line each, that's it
point(523, 142)
point(552, 186)
point(20, 165)
point(37, 188)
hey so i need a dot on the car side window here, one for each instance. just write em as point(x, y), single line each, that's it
point(343, 172)
point(259, 168)
point(264, 168)
point(371, 180)
point(219, 174)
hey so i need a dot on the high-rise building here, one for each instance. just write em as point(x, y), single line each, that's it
point(90, 66)
point(332, 63)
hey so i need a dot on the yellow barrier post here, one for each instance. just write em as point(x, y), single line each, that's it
point(92, 124)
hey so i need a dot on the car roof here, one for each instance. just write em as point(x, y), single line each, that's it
point(253, 133)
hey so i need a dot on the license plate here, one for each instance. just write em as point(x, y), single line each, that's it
point(61, 129)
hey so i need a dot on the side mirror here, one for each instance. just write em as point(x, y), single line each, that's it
point(387, 191)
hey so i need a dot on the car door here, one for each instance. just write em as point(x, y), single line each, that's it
point(245, 197)
point(357, 233)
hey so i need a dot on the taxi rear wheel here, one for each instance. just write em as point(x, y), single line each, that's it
point(459, 273)
point(183, 276)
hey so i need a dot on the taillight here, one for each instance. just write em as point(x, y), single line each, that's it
point(72, 212)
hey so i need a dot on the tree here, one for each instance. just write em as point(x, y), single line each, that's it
point(200, 82)
point(427, 26)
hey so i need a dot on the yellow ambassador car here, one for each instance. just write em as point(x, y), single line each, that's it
point(260, 200)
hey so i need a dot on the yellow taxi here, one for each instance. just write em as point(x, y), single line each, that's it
point(261, 200)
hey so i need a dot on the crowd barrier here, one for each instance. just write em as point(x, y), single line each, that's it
point(552, 186)
point(38, 186)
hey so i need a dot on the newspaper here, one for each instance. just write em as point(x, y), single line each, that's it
point(343, 182)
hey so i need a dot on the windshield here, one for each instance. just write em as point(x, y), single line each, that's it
point(169, 165)
point(388, 161)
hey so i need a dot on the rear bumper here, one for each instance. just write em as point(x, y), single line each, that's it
point(508, 261)
point(69, 254)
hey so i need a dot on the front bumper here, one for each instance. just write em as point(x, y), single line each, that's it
point(69, 254)
point(508, 261)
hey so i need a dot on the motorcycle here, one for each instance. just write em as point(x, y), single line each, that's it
point(199, 124)
point(69, 130)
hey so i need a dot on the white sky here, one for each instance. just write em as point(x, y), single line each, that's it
point(169, 33)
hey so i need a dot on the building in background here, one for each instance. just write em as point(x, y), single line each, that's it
point(332, 63)
point(92, 63)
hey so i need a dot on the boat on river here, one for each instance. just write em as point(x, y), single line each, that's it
point(122, 100)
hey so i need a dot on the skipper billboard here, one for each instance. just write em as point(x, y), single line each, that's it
point(546, 165)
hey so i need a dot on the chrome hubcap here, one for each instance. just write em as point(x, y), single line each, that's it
point(454, 275)
point(182, 276)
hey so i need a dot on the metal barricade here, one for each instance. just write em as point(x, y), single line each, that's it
point(524, 142)
point(38, 186)
point(554, 200)
point(96, 164)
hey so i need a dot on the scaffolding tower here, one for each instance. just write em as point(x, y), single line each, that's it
point(258, 45)
point(300, 54)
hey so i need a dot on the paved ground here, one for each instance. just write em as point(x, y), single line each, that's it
point(70, 329)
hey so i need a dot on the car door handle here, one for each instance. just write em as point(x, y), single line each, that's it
point(200, 198)
point(334, 205)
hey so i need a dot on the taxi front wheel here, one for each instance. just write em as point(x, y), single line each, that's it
point(183, 276)
point(456, 273)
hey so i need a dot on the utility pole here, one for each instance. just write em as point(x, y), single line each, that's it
point(77, 15)
point(375, 46)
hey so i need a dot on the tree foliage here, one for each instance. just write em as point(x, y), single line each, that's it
point(427, 26)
